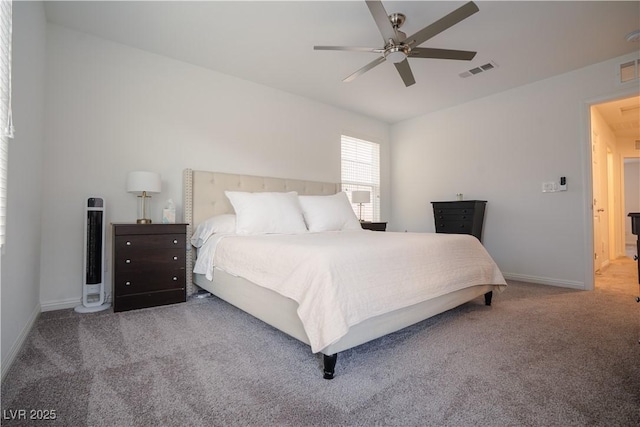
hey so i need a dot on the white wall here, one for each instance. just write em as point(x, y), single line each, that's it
point(21, 254)
point(501, 149)
point(112, 109)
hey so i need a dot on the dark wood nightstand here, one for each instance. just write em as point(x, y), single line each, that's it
point(459, 217)
point(375, 226)
point(149, 262)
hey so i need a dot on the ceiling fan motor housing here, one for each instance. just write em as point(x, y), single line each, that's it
point(397, 19)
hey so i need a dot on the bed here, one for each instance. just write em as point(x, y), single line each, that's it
point(356, 315)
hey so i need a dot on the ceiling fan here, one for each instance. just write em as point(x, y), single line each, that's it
point(398, 47)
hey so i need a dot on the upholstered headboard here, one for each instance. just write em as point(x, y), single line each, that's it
point(204, 197)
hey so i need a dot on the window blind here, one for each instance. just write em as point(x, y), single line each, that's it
point(360, 162)
point(6, 124)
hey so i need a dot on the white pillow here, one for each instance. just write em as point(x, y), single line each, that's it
point(225, 223)
point(329, 213)
point(266, 213)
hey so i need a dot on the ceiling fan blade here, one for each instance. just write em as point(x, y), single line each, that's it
point(350, 48)
point(442, 24)
point(382, 20)
point(425, 52)
point(405, 72)
point(364, 69)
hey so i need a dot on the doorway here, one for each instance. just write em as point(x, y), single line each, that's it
point(614, 132)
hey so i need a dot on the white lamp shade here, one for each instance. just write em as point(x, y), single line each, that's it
point(140, 181)
point(360, 196)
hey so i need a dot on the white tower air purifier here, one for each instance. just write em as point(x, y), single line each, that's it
point(93, 295)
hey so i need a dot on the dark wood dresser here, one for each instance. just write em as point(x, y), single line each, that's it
point(375, 226)
point(459, 217)
point(149, 262)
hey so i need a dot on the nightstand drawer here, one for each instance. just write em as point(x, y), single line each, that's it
point(148, 299)
point(453, 227)
point(444, 218)
point(453, 213)
point(138, 281)
point(150, 260)
point(139, 242)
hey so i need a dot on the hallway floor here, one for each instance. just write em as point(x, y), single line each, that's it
point(621, 275)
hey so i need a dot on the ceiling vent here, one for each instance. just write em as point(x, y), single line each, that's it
point(628, 71)
point(481, 69)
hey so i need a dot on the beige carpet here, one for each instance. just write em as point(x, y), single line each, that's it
point(539, 356)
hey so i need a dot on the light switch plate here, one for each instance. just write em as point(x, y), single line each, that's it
point(549, 187)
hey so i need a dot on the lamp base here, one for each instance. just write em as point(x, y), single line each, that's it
point(143, 221)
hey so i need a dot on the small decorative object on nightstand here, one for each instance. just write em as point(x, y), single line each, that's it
point(149, 263)
point(459, 217)
point(375, 226)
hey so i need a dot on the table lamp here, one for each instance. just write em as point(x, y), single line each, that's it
point(141, 183)
point(360, 197)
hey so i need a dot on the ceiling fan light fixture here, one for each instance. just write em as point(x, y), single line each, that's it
point(396, 54)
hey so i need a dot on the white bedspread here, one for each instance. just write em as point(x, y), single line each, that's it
point(342, 278)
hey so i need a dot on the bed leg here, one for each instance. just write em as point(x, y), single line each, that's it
point(329, 365)
point(487, 298)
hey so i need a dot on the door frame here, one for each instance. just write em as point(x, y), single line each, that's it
point(597, 192)
point(587, 177)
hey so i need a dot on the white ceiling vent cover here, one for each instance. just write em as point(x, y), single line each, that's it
point(628, 71)
point(477, 70)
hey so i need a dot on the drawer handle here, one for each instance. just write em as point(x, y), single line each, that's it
point(175, 242)
point(128, 243)
point(175, 258)
point(175, 278)
point(128, 261)
point(127, 283)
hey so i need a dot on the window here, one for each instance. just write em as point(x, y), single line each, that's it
point(6, 125)
point(361, 172)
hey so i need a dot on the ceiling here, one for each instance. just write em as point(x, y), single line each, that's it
point(622, 116)
point(271, 43)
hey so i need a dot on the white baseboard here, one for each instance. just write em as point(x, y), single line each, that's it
point(60, 304)
point(17, 345)
point(545, 280)
point(66, 303)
